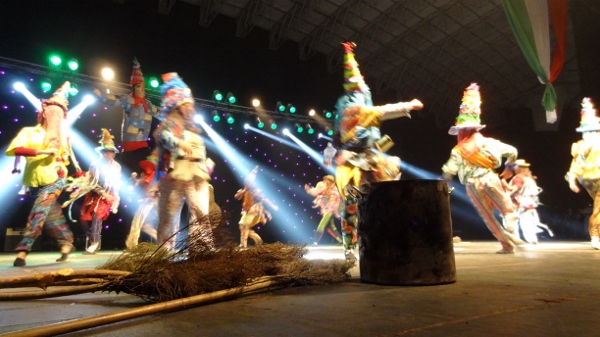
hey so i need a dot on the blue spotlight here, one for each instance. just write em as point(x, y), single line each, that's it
point(316, 156)
point(20, 87)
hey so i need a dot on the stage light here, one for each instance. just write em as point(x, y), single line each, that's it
point(19, 86)
point(230, 119)
point(291, 109)
point(231, 98)
point(299, 128)
point(311, 112)
point(107, 73)
point(89, 99)
point(329, 131)
point(46, 84)
point(55, 60)
point(327, 114)
point(217, 96)
point(246, 126)
point(73, 90)
point(272, 124)
point(73, 64)
point(309, 129)
point(198, 118)
point(153, 82)
point(286, 131)
point(256, 102)
point(259, 123)
point(280, 107)
point(216, 116)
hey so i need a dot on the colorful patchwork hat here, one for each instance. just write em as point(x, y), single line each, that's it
point(136, 74)
point(469, 113)
point(353, 79)
point(107, 142)
point(150, 163)
point(174, 93)
point(589, 120)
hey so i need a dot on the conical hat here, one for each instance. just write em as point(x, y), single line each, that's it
point(469, 112)
point(136, 74)
point(107, 142)
point(589, 120)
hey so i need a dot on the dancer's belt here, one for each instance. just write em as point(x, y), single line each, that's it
point(192, 159)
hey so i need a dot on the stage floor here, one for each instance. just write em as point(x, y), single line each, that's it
point(550, 289)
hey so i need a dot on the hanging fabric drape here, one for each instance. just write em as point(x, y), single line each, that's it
point(529, 20)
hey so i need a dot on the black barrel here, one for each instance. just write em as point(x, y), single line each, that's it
point(405, 233)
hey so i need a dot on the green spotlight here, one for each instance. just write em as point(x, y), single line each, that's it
point(231, 98)
point(216, 116)
point(217, 96)
point(330, 132)
point(328, 114)
point(259, 123)
point(273, 125)
point(310, 130)
point(55, 60)
point(291, 108)
point(280, 107)
point(73, 64)
point(73, 90)
point(299, 128)
point(153, 82)
point(46, 85)
point(230, 119)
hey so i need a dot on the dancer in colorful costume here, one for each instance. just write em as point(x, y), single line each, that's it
point(104, 178)
point(146, 214)
point(474, 160)
point(328, 199)
point(585, 166)
point(182, 155)
point(46, 149)
point(137, 118)
point(253, 210)
point(524, 193)
point(360, 157)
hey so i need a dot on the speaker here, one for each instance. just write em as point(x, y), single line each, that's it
point(14, 236)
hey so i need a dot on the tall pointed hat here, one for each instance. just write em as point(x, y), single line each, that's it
point(353, 79)
point(107, 142)
point(136, 74)
point(589, 120)
point(174, 93)
point(469, 114)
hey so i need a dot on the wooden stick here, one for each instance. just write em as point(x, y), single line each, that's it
point(44, 280)
point(94, 321)
point(39, 294)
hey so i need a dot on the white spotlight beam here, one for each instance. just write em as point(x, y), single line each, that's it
point(316, 156)
point(281, 140)
point(20, 87)
point(76, 111)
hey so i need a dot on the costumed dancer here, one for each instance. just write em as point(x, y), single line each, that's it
point(146, 215)
point(137, 119)
point(104, 180)
point(524, 193)
point(585, 166)
point(183, 155)
point(474, 160)
point(46, 148)
point(360, 157)
point(328, 199)
point(253, 210)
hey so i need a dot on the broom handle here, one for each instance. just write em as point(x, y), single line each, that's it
point(94, 321)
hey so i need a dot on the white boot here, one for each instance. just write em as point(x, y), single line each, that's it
point(91, 249)
point(595, 242)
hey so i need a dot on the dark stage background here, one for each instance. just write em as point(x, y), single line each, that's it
point(106, 32)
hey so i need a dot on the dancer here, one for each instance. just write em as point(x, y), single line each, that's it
point(360, 157)
point(104, 178)
point(328, 200)
point(46, 148)
point(182, 155)
point(146, 215)
point(137, 118)
point(253, 210)
point(524, 193)
point(585, 167)
point(474, 160)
